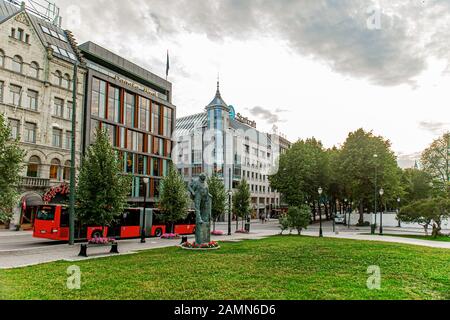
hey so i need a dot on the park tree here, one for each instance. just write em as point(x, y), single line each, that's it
point(361, 170)
point(241, 201)
point(426, 212)
point(302, 170)
point(299, 218)
point(435, 161)
point(174, 198)
point(284, 222)
point(416, 185)
point(11, 159)
point(102, 189)
point(219, 198)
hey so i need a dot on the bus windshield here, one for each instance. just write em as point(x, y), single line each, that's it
point(46, 213)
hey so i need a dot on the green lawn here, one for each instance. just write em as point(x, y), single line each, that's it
point(421, 237)
point(282, 267)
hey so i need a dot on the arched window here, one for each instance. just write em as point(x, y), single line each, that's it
point(17, 64)
point(34, 165)
point(2, 59)
point(65, 81)
point(58, 78)
point(34, 69)
point(54, 169)
point(67, 165)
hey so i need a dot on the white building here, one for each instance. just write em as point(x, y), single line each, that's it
point(37, 62)
point(219, 141)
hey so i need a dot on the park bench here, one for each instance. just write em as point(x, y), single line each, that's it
point(83, 248)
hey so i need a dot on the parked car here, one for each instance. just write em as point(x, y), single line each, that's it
point(339, 219)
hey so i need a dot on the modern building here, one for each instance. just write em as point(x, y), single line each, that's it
point(37, 61)
point(135, 107)
point(219, 141)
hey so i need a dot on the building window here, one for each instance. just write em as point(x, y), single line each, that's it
point(2, 86)
point(2, 59)
point(16, 95)
point(114, 104)
point(32, 100)
point(34, 70)
point(155, 167)
point(57, 138)
point(167, 122)
point(68, 140)
point(17, 64)
point(144, 114)
point(15, 128)
point(58, 107)
point(98, 99)
point(129, 109)
point(111, 132)
point(17, 34)
point(155, 118)
point(33, 167)
point(30, 132)
point(65, 81)
point(55, 166)
point(67, 166)
point(58, 78)
point(69, 110)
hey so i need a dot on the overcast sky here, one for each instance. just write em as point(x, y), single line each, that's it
point(311, 67)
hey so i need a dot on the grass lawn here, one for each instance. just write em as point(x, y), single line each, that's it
point(281, 267)
point(421, 237)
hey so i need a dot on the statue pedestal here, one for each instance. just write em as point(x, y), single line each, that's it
point(202, 233)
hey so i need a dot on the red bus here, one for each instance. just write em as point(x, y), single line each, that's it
point(52, 222)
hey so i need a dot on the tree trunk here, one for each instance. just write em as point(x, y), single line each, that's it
point(172, 229)
point(214, 225)
point(361, 213)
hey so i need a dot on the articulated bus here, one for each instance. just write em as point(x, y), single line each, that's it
point(52, 222)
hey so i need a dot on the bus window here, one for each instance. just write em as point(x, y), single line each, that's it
point(64, 217)
point(46, 213)
point(131, 218)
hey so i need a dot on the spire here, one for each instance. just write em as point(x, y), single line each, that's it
point(218, 86)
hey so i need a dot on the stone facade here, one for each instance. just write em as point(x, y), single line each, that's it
point(36, 97)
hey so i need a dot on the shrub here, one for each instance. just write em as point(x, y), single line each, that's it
point(284, 223)
point(299, 218)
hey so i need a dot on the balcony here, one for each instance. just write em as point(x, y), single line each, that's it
point(29, 182)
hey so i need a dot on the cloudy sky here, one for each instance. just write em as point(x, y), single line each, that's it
point(311, 67)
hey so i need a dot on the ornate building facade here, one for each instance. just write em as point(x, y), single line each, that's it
point(37, 61)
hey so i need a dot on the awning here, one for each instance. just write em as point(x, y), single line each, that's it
point(33, 200)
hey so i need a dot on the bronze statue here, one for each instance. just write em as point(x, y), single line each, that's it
point(202, 201)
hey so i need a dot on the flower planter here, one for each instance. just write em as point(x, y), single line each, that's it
point(203, 247)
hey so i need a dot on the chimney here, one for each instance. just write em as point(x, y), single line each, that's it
point(22, 5)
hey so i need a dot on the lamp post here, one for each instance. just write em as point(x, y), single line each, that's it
point(143, 235)
point(320, 213)
point(374, 220)
point(345, 211)
point(350, 214)
point(72, 156)
point(230, 195)
point(381, 212)
point(398, 212)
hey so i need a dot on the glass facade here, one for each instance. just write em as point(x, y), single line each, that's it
point(140, 130)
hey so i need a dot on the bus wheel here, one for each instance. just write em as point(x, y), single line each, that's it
point(158, 232)
point(96, 234)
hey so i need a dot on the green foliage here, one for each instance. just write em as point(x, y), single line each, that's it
point(102, 189)
point(241, 200)
point(302, 170)
point(357, 167)
point(219, 198)
point(174, 198)
point(11, 164)
point(284, 222)
point(427, 212)
point(299, 218)
point(435, 161)
point(416, 185)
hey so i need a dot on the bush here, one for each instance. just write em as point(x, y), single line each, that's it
point(284, 223)
point(299, 218)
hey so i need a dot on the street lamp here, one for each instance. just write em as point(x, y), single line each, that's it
point(398, 212)
point(230, 194)
point(345, 211)
point(320, 213)
point(143, 235)
point(374, 221)
point(382, 209)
